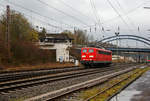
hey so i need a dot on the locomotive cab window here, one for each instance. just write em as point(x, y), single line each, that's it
point(103, 52)
point(100, 52)
point(91, 50)
point(84, 51)
point(108, 53)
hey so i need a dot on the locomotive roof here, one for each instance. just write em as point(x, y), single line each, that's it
point(96, 48)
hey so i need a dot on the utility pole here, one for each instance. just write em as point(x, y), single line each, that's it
point(117, 34)
point(75, 41)
point(8, 30)
point(148, 30)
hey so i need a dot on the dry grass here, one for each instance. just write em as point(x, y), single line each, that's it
point(39, 66)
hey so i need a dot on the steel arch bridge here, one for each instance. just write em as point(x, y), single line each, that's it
point(124, 37)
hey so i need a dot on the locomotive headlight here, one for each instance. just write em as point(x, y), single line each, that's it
point(91, 56)
point(83, 56)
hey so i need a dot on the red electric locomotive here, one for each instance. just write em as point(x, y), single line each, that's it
point(94, 56)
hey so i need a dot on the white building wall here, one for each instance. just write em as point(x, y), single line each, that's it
point(62, 52)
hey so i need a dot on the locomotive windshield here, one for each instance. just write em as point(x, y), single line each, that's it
point(91, 50)
point(84, 51)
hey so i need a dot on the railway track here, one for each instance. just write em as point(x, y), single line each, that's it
point(129, 79)
point(14, 85)
point(8, 76)
point(52, 96)
point(108, 88)
point(76, 94)
point(9, 82)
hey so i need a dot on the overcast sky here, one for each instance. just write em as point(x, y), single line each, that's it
point(58, 15)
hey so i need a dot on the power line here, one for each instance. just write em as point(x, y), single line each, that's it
point(100, 23)
point(129, 12)
point(131, 22)
point(96, 15)
point(118, 14)
point(48, 24)
point(51, 25)
point(39, 14)
point(54, 26)
point(79, 12)
point(95, 11)
point(75, 18)
point(125, 14)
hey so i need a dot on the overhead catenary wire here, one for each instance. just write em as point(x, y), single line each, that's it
point(37, 13)
point(96, 16)
point(35, 18)
point(95, 12)
point(77, 11)
point(73, 26)
point(41, 21)
point(74, 9)
point(64, 13)
point(119, 15)
point(49, 24)
point(131, 22)
point(125, 14)
point(100, 22)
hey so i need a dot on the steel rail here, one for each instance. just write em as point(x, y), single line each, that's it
point(28, 74)
point(8, 86)
point(34, 73)
point(57, 93)
point(15, 84)
point(101, 92)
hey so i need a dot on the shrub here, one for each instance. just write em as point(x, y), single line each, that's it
point(27, 52)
